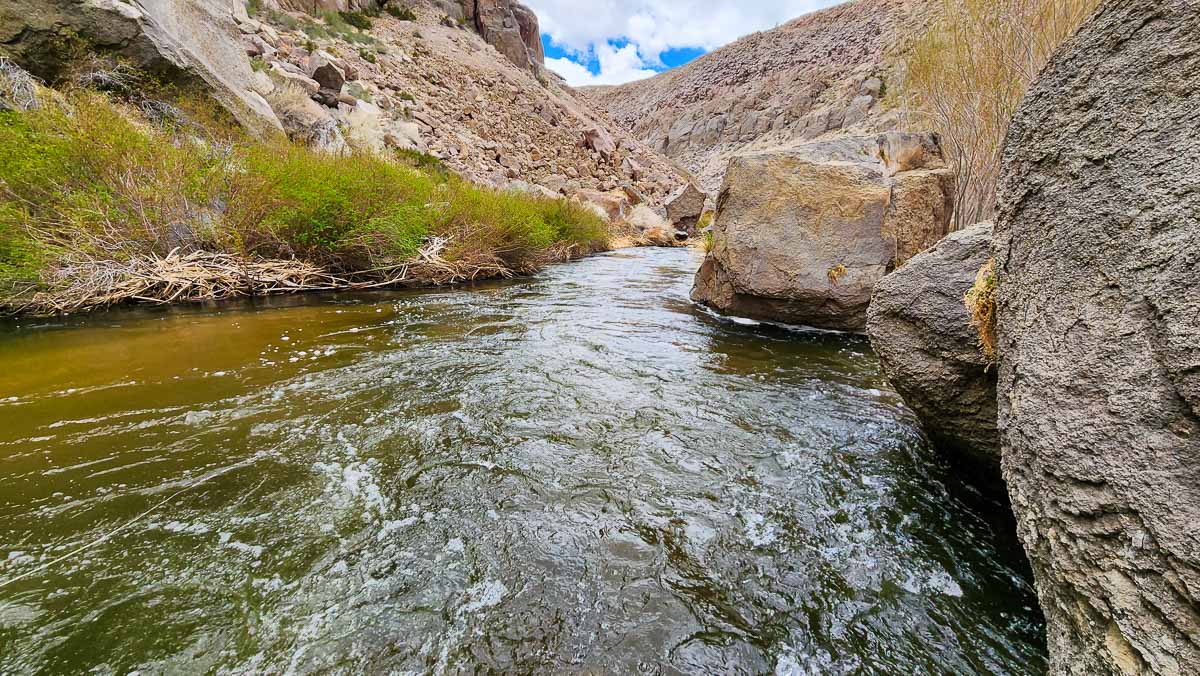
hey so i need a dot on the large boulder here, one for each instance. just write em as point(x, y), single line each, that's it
point(327, 71)
point(1098, 238)
point(614, 205)
point(510, 27)
point(803, 234)
point(685, 206)
point(654, 230)
point(599, 140)
point(922, 332)
point(184, 40)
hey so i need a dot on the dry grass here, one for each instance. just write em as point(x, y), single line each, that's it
point(18, 89)
point(967, 75)
point(836, 273)
point(981, 303)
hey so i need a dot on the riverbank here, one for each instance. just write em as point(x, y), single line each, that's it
point(107, 199)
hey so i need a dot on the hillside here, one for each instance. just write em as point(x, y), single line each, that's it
point(820, 74)
point(461, 80)
point(183, 151)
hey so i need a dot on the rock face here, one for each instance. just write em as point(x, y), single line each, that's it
point(1098, 240)
point(922, 332)
point(510, 27)
point(181, 39)
point(803, 234)
point(822, 74)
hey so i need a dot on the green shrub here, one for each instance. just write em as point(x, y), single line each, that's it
point(283, 19)
point(293, 201)
point(92, 178)
point(423, 161)
point(84, 181)
point(315, 31)
point(402, 13)
point(357, 19)
point(22, 258)
point(336, 25)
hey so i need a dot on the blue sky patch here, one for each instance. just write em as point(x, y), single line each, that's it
point(672, 58)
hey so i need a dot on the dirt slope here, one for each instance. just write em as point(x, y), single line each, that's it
point(817, 75)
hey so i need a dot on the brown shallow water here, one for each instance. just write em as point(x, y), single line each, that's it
point(576, 472)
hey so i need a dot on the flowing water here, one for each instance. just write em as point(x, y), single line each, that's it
point(579, 472)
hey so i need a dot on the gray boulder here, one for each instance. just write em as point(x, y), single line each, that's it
point(922, 332)
point(510, 27)
point(327, 71)
point(186, 40)
point(803, 234)
point(1098, 238)
point(685, 206)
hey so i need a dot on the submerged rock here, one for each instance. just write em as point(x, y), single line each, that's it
point(922, 332)
point(1098, 240)
point(803, 234)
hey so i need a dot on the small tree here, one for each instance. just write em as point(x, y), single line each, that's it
point(967, 75)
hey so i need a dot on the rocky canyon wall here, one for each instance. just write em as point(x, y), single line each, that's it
point(1099, 325)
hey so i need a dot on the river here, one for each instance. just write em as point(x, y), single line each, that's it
point(577, 472)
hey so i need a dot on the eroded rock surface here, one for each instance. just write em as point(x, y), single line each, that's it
point(1099, 326)
point(803, 234)
point(922, 332)
point(182, 39)
point(510, 27)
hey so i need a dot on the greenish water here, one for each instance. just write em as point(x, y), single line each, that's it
point(580, 472)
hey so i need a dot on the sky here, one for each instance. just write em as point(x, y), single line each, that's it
point(617, 41)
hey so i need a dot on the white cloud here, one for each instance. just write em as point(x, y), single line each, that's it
point(651, 27)
point(616, 66)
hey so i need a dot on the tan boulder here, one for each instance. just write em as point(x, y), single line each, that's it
point(803, 234)
point(614, 204)
point(327, 70)
point(601, 141)
point(285, 77)
point(652, 228)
